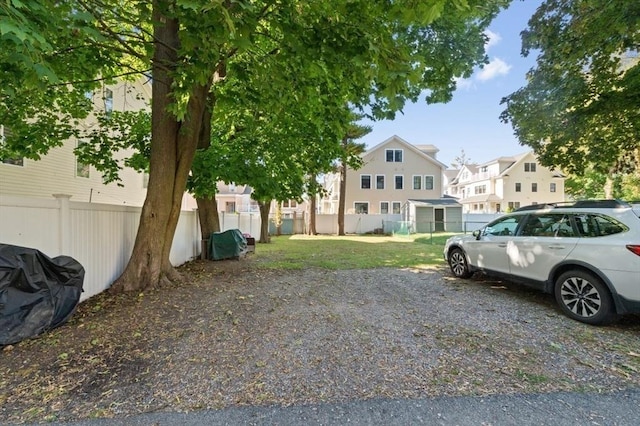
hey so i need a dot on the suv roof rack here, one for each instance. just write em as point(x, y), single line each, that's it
point(584, 204)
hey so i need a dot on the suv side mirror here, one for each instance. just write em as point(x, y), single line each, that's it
point(477, 233)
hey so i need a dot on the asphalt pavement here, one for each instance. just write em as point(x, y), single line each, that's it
point(566, 409)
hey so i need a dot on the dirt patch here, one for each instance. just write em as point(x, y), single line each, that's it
point(236, 334)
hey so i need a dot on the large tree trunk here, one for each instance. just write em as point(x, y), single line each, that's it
point(311, 228)
point(208, 215)
point(173, 146)
point(264, 221)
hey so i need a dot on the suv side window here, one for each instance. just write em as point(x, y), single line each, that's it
point(547, 225)
point(596, 225)
point(503, 226)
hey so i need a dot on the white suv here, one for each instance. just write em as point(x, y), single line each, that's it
point(586, 253)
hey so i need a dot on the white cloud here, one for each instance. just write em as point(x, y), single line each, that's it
point(493, 39)
point(463, 83)
point(493, 69)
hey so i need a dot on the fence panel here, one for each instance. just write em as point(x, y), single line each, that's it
point(99, 236)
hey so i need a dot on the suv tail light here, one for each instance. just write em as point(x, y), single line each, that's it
point(634, 249)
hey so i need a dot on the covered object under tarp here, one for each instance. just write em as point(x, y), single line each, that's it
point(229, 244)
point(37, 293)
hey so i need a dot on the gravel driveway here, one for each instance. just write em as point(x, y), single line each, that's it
point(236, 335)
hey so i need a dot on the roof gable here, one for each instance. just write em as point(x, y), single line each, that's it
point(398, 140)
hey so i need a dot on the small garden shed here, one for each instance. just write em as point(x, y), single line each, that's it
point(437, 215)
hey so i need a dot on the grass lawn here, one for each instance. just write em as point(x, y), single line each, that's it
point(351, 252)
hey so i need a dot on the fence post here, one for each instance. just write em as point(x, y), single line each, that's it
point(64, 223)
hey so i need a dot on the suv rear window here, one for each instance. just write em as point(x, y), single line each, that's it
point(596, 225)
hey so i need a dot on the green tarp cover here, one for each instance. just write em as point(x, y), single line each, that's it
point(226, 245)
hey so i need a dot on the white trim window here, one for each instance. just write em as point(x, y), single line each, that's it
point(365, 181)
point(379, 181)
point(82, 169)
point(13, 161)
point(108, 102)
point(552, 187)
point(393, 155)
point(530, 167)
point(417, 182)
point(428, 182)
point(399, 181)
point(361, 207)
point(384, 207)
point(395, 207)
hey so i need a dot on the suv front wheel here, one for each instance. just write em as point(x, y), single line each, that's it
point(583, 297)
point(458, 264)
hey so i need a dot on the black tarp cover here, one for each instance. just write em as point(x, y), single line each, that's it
point(37, 293)
point(229, 244)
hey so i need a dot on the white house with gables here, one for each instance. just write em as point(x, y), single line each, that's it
point(396, 178)
point(506, 183)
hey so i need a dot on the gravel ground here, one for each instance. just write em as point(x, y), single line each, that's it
point(237, 335)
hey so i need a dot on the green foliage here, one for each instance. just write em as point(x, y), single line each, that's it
point(579, 110)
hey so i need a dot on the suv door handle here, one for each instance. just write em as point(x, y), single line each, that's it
point(502, 245)
point(556, 247)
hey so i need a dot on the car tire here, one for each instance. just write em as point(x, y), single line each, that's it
point(583, 297)
point(458, 264)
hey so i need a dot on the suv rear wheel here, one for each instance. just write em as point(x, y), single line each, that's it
point(583, 297)
point(458, 264)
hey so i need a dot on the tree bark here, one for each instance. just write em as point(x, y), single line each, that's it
point(264, 221)
point(343, 191)
point(311, 228)
point(173, 146)
point(208, 216)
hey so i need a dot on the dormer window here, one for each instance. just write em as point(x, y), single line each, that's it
point(393, 155)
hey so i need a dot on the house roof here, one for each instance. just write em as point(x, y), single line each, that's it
point(444, 201)
point(410, 147)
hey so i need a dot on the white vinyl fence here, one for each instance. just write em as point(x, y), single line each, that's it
point(99, 236)
point(354, 223)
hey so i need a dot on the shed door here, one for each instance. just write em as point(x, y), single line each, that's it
point(439, 220)
point(423, 219)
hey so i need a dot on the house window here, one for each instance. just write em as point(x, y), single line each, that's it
point(15, 161)
point(497, 207)
point(518, 187)
point(384, 207)
point(379, 181)
point(399, 181)
point(428, 183)
point(552, 187)
point(361, 208)
point(530, 167)
point(534, 187)
point(230, 207)
point(365, 181)
point(396, 207)
point(108, 102)
point(289, 204)
point(393, 155)
point(514, 205)
point(480, 189)
point(82, 169)
point(417, 182)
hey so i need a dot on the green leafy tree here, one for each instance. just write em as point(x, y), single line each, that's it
point(579, 110)
point(367, 53)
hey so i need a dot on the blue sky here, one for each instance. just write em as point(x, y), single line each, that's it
point(471, 120)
